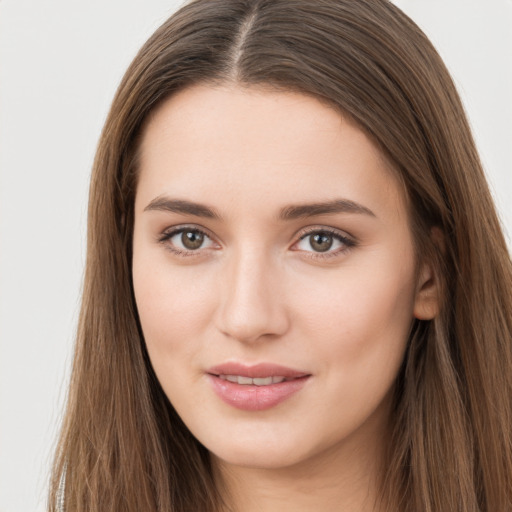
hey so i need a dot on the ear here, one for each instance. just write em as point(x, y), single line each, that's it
point(427, 299)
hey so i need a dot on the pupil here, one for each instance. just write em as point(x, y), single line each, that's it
point(192, 239)
point(321, 242)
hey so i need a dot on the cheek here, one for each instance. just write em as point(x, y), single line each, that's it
point(359, 324)
point(360, 317)
point(173, 304)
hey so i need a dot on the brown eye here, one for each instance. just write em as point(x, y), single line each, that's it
point(321, 242)
point(187, 240)
point(192, 240)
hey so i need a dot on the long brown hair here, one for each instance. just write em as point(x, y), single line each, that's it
point(123, 448)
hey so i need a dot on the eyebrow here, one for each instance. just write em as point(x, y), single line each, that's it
point(289, 212)
point(324, 208)
point(182, 206)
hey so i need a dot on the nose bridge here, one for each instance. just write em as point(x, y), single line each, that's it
point(252, 305)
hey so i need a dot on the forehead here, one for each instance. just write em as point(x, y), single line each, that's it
point(253, 147)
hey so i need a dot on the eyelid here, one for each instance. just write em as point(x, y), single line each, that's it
point(324, 229)
point(172, 231)
point(345, 238)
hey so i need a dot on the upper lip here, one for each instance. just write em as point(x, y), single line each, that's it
point(255, 371)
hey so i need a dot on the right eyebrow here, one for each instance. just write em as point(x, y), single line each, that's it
point(301, 211)
point(167, 204)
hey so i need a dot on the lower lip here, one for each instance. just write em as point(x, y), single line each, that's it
point(255, 398)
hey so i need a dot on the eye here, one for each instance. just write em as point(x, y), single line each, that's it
point(324, 241)
point(186, 240)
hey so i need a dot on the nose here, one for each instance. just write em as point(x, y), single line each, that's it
point(252, 306)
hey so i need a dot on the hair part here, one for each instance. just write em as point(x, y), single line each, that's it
point(123, 447)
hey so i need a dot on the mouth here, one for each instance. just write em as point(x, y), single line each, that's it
point(257, 387)
point(248, 381)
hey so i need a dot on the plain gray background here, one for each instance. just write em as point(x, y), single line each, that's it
point(60, 63)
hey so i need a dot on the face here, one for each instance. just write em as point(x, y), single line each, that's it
point(274, 273)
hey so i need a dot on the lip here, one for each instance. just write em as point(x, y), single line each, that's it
point(260, 370)
point(251, 397)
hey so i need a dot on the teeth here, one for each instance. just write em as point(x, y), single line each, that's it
point(258, 381)
point(263, 382)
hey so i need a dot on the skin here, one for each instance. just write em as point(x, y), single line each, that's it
point(257, 290)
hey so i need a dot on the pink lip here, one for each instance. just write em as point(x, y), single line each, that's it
point(252, 397)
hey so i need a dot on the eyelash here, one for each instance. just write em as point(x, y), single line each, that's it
point(348, 243)
point(166, 237)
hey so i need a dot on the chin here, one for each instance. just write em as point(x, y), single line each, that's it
point(259, 458)
point(265, 452)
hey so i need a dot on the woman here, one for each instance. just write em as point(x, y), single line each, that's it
point(297, 292)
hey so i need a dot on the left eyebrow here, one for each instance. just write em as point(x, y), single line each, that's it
point(301, 211)
point(182, 206)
